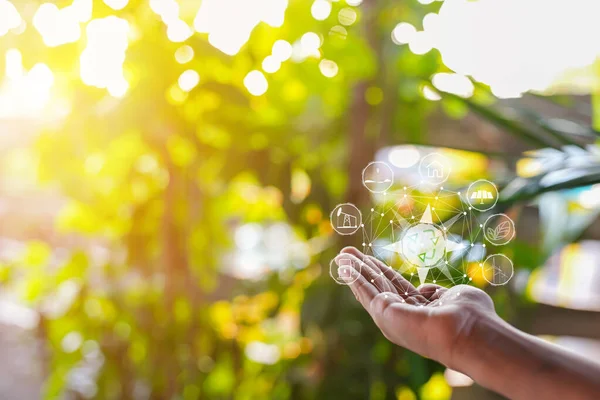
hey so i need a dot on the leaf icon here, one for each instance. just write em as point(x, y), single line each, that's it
point(501, 231)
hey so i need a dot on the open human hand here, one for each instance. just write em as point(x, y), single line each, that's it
point(459, 328)
point(431, 320)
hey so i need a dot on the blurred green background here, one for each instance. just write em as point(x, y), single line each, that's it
point(168, 169)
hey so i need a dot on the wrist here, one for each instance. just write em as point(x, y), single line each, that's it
point(471, 344)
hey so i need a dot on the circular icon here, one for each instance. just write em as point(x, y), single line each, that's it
point(498, 269)
point(378, 177)
point(346, 219)
point(423, 245)
point(435, 168)
point(482, 195)
point(499, 229)
point(345, 269)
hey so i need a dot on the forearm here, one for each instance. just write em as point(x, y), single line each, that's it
point(521, 366)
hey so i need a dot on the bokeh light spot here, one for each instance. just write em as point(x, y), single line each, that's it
point(188, 80)
point(282, 50)
point(310, 41)
point(328, 68)
point(453, 83)
point(404, 156)
point(271, 64)
point(9, 17)
point(320, 9)
point(101, 62)
point(347, 16)
point(184, 54)
point(116, 4)
point(403, 33)
point(256, 83)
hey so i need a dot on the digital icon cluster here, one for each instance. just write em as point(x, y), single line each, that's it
point(434, 234)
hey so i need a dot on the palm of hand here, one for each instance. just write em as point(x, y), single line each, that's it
point(431, 320)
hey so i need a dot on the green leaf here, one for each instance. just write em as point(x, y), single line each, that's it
point(547, 127)
point(454, 109)
point(513, 127)
point(523, 189)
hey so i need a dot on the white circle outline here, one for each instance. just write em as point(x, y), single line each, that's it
point(427, 179)
point(443, 257)
point(512, 269)
point(514, 230)
point(387, 166)
point(359, 270)
point(359, 225)
point(469, 198)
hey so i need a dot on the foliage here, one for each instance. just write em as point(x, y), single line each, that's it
point(158, 181)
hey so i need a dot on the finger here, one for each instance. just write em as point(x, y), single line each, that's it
point(403, 286)
point(428, 289)
point(375, 274)
point(361, 288)
point(435, 303)
point(400, 284)
point(414, 301)
point(369, 271)
point(438, 295)
point(432, 292)
point(384, 272)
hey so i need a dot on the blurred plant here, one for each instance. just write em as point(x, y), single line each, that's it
point(188, 145)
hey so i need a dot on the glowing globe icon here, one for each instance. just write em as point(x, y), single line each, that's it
point(424, 245)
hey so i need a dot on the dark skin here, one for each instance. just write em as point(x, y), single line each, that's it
point(459, 328)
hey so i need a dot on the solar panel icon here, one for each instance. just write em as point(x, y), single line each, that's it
point(482, 195)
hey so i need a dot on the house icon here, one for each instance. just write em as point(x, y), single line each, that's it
point(435, 169)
